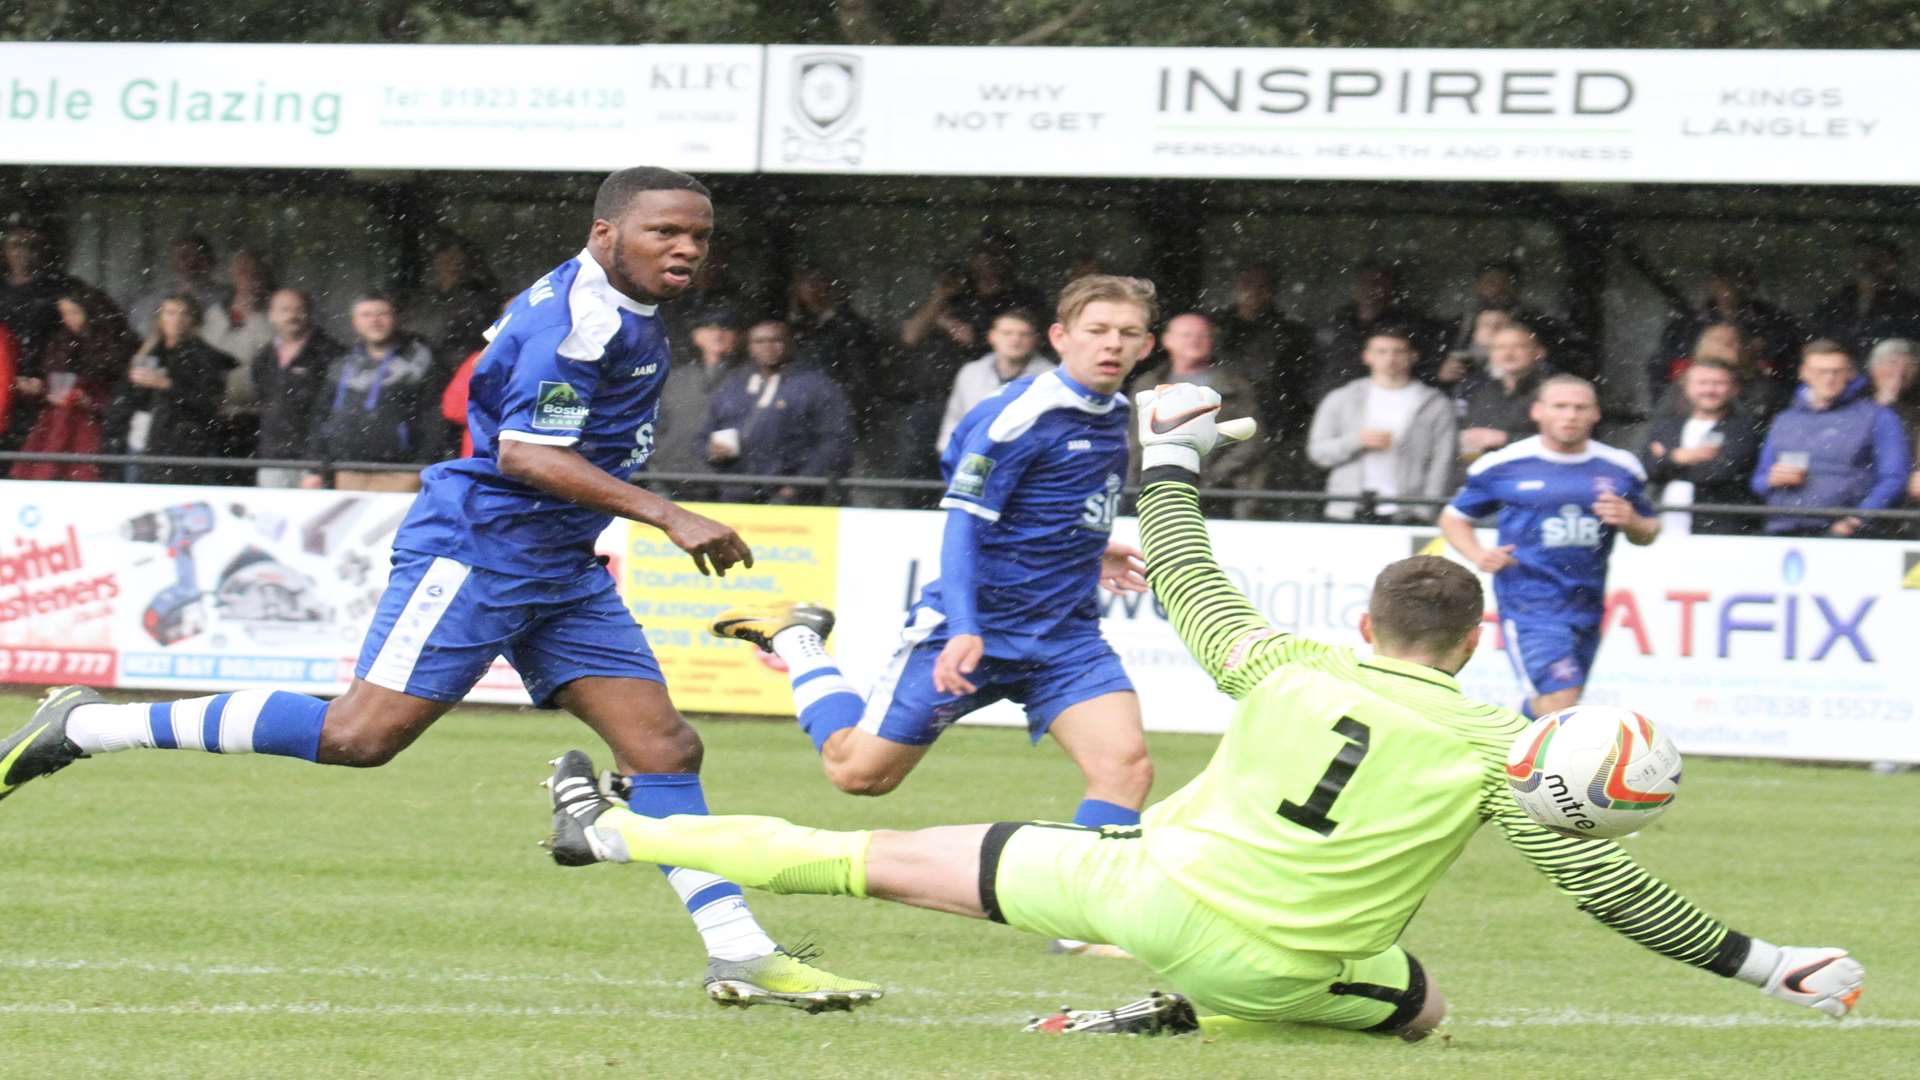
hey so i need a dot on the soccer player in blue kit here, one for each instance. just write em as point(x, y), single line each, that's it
point(1561, 497)
point(496, 558)
point(1034, 476)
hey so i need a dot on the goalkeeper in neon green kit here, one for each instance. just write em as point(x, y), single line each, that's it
point(1275, 885)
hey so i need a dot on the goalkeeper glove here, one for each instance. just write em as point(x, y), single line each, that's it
point(1178, 425)
point(1825, 979)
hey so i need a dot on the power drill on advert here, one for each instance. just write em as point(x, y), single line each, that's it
point(177, 611)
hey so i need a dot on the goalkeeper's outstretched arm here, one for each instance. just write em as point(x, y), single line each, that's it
point(1222, 630)
point(1606, 883)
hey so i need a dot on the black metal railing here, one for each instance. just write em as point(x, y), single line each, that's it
point(835, 490)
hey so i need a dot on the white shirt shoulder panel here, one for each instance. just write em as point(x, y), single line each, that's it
point(1623, 458)
point(1045, 394)
point(594, 306)
point(1525, 448)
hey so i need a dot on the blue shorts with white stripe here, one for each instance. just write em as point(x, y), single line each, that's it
point(1047, 680)
point(1549, 655)
point(441, 623)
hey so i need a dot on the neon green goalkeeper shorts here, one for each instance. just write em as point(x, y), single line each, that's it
point(1065, 881)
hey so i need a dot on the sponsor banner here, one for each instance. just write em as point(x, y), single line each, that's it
point(1761, 648)
point(1762, 116)
point(1769, 116)
point(195, 588)
point(185, 587)
point(590, 108)
point(1751, 647)
point(795, 555)
point(1745, 647)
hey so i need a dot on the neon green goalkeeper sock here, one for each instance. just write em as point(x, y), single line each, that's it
point(758, 852)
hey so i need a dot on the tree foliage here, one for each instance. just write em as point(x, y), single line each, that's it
point(1717, 24)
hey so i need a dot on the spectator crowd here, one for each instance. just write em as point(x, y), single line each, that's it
point(1381, 407)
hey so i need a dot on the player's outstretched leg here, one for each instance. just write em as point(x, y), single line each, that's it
point(797, 633)
point(73, 722)
point(589, 827)
point(830, 712)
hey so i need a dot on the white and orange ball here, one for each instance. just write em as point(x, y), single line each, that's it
point(1595, 771)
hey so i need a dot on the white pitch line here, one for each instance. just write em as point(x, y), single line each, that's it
point(455, 977)
point(346, 971)
point(328, 1008)
point(1567, 1018)
point(898, 995)
point(529, 1012)
point(1582, 1018)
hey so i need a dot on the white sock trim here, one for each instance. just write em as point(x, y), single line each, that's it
point(801, 648)
point(727, 925)
point(107, 729)
point(811, 692)
point(238, 718)
point(189, 717)
point(688, 883)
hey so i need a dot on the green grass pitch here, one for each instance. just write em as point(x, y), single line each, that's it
point(179, 915)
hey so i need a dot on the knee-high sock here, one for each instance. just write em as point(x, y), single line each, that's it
point(243, 722)
point(1093, 813)
point(825, 701)
point(718, 910)
point(760, 852)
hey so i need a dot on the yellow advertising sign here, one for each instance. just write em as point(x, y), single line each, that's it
point(793, 559)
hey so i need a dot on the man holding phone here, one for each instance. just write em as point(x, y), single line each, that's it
point(1706, 455)
point(1833, 447)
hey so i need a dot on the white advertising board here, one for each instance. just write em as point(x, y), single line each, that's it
point(590, 108)
point(1759, 116)
point(1738, 646)
point(191, 588)
point(1387, 114)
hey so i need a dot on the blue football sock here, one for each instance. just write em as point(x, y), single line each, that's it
point(1093, 813)
point(718, 909)
point(827, 704)
point(822, 696)
point(243, 722)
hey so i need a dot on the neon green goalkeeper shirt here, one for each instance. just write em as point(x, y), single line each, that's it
point(1344, 787)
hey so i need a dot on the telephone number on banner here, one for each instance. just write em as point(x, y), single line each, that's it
point(94, 667)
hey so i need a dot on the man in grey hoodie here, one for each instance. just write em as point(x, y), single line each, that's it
point(1387, 433)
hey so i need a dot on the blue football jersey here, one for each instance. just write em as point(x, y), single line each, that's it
point(1043, 460)
point(573, 362)
point(1545, 500)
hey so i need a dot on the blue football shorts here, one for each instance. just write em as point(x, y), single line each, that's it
point(440, 624)
point(904, 707)
point(1550, 655)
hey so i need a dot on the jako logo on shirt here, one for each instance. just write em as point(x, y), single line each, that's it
point(558, 407)
point(1571, 529)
